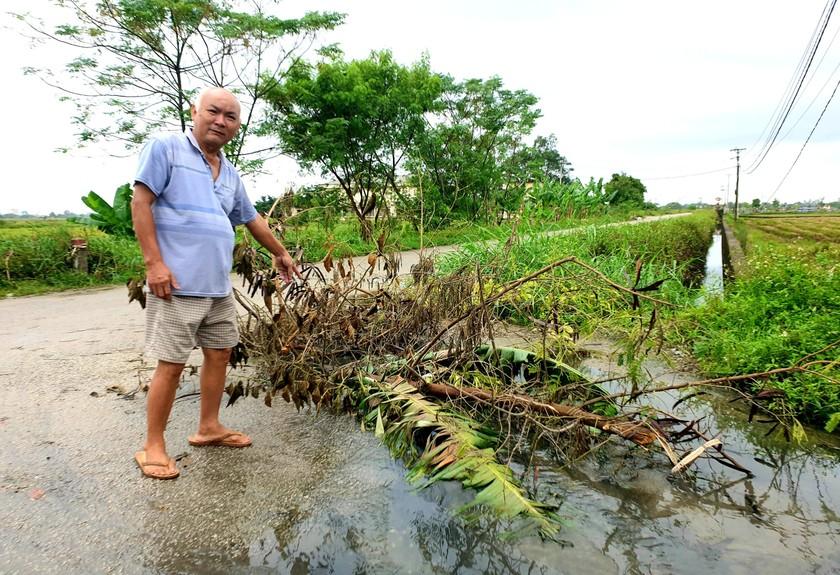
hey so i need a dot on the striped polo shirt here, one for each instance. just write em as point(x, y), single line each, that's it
point(194, 215)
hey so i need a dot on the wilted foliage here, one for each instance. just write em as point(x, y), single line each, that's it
point(419, 361)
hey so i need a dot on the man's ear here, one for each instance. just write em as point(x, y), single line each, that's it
point(193, 111)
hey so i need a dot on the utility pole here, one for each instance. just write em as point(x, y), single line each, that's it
point(737, 175)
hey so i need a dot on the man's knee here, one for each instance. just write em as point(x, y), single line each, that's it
point(168, 372)
point(216, 355)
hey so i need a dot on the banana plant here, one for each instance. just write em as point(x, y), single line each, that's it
point(112, 219)
point(458, 448)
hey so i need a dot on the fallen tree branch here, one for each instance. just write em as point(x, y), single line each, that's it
point(640, 433)
point(716, 382)
point(517, 283)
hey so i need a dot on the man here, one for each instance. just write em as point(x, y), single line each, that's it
point(187, 200)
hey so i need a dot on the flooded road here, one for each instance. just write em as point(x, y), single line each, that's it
point(317, 495)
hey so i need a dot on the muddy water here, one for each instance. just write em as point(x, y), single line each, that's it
point(784, 519)
point(339, 504)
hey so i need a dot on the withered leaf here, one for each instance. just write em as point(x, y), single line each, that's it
point(237, 392)
point(638, 272)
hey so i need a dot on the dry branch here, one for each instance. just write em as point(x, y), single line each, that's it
point(640, 433)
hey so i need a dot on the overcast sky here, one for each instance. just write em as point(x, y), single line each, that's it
point(655, 89)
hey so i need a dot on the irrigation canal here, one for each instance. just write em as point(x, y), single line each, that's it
point(316, 495)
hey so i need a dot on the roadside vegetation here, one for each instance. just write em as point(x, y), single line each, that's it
point(37, 257)
point(782, 311)
point(36, 254)
point(422, 364)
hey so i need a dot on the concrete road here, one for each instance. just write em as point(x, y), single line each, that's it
point(71, 498)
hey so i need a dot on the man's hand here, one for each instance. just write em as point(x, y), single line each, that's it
point(283, 262)
point(160, 280)
point(286, 266)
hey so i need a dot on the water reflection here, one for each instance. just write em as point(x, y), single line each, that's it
point(713, 278)
point(341, 505)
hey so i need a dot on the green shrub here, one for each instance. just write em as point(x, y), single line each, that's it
point(783, 308)
point(39, 258)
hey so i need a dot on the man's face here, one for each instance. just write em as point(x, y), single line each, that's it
point(216, 122)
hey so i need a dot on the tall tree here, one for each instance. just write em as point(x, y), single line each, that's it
point(625, 190)
point(136, 64)
point(539, 162)
point(460, 161)
point(354, 121)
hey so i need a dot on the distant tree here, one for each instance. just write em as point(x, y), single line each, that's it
point(625, 190)
point(136, 64)
point(465, 160)
point(756, 203)
point(775, 204)
point(539, 162)
point(354, 121)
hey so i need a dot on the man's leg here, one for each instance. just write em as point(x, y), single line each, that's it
point(213, 373)
point(158, 407)
point(210, 429)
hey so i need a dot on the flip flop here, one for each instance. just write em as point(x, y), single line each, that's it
point(150, 468)
point(226, 440)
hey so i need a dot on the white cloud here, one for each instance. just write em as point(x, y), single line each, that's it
point(655, 88)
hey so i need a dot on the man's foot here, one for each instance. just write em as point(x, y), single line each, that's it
point(225, 438)
point(156, 469)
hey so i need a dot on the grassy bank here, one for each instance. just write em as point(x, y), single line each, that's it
point(36, 256)
point(343, 237)
point(671, 251)
point(784, 307)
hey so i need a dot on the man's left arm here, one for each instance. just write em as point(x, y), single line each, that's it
point(282, 260)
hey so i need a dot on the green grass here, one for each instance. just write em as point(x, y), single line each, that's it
point(35, 254)
point(673, 250)
point(785, 305)
point(36, 257)
point(345, 241)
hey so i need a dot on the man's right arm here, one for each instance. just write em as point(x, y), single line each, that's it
point(158, 277)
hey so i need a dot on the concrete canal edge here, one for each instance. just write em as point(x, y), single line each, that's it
point(733, 253)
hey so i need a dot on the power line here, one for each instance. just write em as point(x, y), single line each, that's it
point(792, 100)
point(774, 117)
point(814, 100)
point(808, 139)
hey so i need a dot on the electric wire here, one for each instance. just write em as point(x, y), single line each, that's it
point(811, 78)
point(787, 96)
point(814, 100)
point(808, 139)
point(780, 124)
point(793, 79)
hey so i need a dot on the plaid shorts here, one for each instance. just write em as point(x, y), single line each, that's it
point(174, 327)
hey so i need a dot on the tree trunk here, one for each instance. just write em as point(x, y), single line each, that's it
point(638, 433)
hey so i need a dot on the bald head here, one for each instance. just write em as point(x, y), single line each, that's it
point(215, 116)
point(212, 92)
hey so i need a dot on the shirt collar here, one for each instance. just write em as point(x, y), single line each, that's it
point(194, 142)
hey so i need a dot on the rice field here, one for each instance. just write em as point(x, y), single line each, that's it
point(810, 228)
